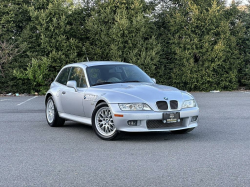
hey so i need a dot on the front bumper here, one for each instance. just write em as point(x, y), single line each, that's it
point(144, 117)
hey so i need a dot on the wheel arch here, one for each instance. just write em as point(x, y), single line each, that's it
point(100, 101)
point(47, 96)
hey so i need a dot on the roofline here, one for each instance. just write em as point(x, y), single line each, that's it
point(97, 63)
point(100, 63)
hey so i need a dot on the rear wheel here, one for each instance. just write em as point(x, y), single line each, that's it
point(103, 123)
point(52, 115)
point(184, 131)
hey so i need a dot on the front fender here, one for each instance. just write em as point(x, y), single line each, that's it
point(108, 97)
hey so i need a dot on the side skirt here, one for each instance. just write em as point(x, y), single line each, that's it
point(76, 118)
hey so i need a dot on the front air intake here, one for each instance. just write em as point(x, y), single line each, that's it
point(159, 124)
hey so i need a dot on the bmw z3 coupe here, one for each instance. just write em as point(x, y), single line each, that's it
point(115, 97)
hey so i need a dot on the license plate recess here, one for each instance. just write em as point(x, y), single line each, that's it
point(171, 117)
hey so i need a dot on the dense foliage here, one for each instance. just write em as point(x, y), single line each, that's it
point(190, 44)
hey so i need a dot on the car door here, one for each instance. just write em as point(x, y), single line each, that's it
point(72, 100)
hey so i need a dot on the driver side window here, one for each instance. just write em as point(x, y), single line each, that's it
point(77, 74)
point(63, 77)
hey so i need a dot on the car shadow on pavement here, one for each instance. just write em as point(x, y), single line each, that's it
point(158, 136)
point(73, 125)
point(136, 136)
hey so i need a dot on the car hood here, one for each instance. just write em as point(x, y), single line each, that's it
point(141, 92)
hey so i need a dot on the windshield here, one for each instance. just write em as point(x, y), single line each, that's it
point(109, 74)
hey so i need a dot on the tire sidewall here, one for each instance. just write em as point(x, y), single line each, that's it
point(55, 111)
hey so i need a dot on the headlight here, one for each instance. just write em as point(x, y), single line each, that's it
point(134, 106)
point(189, 104)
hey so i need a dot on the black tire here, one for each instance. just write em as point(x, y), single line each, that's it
point(98, 129)
point(55, 120)
point(184, 131)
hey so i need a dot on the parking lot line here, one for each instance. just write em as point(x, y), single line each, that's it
point(27, 100)
point(245, 92)
point(4, 100)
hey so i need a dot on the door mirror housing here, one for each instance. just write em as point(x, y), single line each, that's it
point(72, 84)
point(153, 79)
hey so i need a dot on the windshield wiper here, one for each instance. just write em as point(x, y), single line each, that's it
point(131, 81)
point(101, 83)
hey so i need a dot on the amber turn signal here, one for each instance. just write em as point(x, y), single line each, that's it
point(118, 115)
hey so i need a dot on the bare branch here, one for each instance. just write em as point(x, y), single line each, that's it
point(7, 52)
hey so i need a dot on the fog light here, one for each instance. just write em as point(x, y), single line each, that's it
point(194, 118)
point(132, 123)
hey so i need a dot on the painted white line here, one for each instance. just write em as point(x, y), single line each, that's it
point(5, 99)
point(27, 100)
point(245, 92)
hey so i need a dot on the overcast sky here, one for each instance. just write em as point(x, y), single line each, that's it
point(243, 1)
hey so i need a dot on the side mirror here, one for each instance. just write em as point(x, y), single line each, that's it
point(153, 79)
point(72, 84)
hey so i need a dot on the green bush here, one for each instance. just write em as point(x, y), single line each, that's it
point(190, 44)
point(37, 73)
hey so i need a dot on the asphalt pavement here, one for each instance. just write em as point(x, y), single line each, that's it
point(216, 153)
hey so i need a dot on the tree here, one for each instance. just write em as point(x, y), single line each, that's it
point(7, 53)
point(244, 43)
point(123, 31)
point(14, 17)
point(51, 37)
point(201, 51)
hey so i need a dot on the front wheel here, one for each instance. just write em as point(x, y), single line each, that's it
point(103, 123)
point(184, 131)
point(52, 115)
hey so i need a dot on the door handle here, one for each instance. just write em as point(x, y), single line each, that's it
point(63, 92)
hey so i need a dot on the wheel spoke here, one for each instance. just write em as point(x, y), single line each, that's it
point(110, 130)
point(100, 120)
point(101, 114)
point(51, 105)
point(106, 113)
point(101, 126)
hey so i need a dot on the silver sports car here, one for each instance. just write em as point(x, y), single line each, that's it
point(117, 97)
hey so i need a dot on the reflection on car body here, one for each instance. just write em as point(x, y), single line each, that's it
point(117, 97)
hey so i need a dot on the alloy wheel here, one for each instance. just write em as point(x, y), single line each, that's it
point(104, 122)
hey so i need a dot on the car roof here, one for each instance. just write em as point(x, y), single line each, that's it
point(98, 63)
